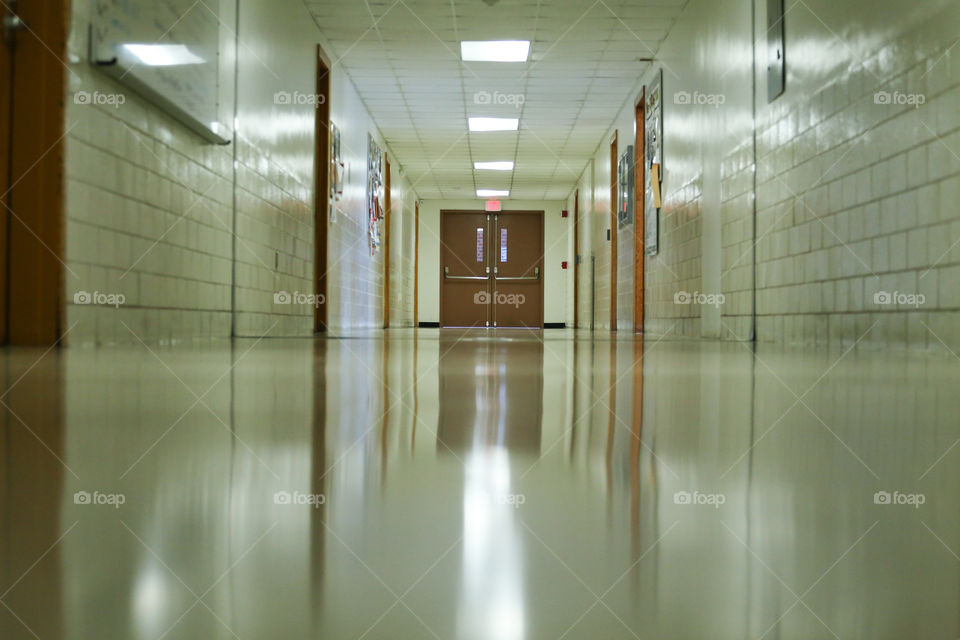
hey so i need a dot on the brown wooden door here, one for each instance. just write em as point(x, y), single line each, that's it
point(34, 86)
point(518, 269)
point(6, 104)
point(323, 200)
point(491, 269)
point(465, 286)
point(639, 215)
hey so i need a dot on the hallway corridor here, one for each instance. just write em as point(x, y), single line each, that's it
point(456, 484)
point(479, 320)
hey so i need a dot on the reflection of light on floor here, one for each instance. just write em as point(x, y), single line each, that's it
point(491, 599)
point(489, 413)
point(150, 603)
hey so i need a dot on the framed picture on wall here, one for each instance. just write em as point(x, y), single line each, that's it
point(653, 157)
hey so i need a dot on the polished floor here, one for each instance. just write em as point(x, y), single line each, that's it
point(501, 486)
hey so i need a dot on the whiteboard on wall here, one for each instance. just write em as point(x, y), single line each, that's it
point(166, 50)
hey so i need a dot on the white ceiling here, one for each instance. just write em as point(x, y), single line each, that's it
point(404, 58)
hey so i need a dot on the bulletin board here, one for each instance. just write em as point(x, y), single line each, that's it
point(336, 171)
point(653, 156)
point(625, 188)
point(374, 194)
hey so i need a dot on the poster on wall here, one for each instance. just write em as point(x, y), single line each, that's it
point(653, 157)
point(374, 193)
point(336, 172)
point(625, 188)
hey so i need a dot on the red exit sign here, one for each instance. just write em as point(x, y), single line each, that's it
point(493, 205)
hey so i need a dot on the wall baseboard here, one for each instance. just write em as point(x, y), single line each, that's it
point(429, 325)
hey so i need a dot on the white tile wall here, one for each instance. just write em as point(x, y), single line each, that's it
point(852, 197)
point(198, 237)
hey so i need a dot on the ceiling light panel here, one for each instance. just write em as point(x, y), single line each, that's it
point(494, 124)
point(495, 50)
point(494, 166)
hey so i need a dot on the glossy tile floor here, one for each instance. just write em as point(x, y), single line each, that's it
point(451, 485)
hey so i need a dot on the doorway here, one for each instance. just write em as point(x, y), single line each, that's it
point(32, 115)
point(639, 226)
point(323, 195)
point(614, 190)
point(576, 259)
point(386, 241)
point(491, 269)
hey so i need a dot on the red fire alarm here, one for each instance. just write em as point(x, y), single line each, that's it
point(564, 213)
point(563, 265)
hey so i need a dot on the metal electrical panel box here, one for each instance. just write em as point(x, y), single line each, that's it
point(776, 68)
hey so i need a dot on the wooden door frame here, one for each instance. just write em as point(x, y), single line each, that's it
point(543, 269)
point(322, 186)
point(386, 241)
point(614, 188)
point(35, 291)
point(576, 257)
point(639, 210)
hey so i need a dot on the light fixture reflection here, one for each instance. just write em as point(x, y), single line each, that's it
point(163, 55)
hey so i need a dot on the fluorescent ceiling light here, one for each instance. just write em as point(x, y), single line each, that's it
point(163, 55)
point(491, 193)
point(494, 166)
point(495, 50)
point(494, 124)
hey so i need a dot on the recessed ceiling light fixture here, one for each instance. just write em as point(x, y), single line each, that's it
point(492, 193)
point(495, 50)
point(493, 124)
point(505, 165)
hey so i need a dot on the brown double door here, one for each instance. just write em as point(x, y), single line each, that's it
point(491, 269)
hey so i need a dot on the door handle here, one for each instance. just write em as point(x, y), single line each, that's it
point(446, 274)
point(535, 276)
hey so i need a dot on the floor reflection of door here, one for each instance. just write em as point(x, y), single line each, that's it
point(491, 269)
point(491, 395)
